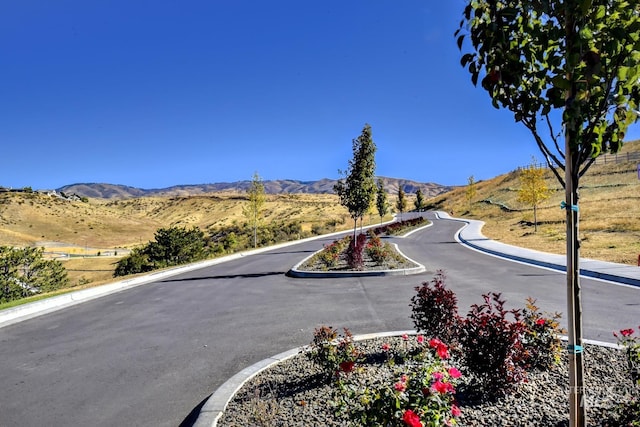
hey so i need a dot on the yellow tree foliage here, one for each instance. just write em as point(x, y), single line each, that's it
point(533, 189)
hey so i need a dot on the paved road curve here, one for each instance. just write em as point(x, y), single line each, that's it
point(147, 356)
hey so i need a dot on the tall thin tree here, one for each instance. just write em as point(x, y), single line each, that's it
point(256, 199)
point(357, 189)
point(419, 202)
point(381, 200)
point(401, 201)
point(566, 69)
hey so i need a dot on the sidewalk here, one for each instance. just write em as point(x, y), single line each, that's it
point(471, 236)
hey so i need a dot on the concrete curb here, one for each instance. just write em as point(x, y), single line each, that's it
point(297, 273)
point(215, 406)
point(27, 311)
point(471, 236)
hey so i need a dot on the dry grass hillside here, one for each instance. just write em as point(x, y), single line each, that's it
point(609, 210)
point(111, 227)
point(609, 227)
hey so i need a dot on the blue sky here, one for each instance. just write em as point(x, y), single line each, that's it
point(166, 92)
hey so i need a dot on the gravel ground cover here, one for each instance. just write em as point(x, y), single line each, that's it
point(295, 393)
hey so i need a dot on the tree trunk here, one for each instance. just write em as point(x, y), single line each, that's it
point(535, 219)
point(577, 408)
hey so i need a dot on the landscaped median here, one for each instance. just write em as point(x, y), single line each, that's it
point(367, 255)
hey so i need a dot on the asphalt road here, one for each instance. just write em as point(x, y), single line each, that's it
point(149, 355)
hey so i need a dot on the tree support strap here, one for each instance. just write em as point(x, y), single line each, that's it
point(574, 208)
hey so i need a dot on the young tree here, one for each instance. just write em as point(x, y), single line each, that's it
point(401, 202)
point(566, 69)
point(357, 190)
point(419, 202)
point(533, 189)
point(381, 200)
point(252, 211)
point(471, 191)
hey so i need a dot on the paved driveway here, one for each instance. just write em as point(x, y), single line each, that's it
point(147, 356)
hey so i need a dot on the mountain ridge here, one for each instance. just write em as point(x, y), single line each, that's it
point(283, 186)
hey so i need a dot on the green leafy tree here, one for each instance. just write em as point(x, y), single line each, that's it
point(568, 70)
point(252, 211)
point(382, 205)
point(176, 245)
point(533, 189)
point(470, 192)
point(356, 191)
point(419, 202)
point(401, 201)
point(25, 271)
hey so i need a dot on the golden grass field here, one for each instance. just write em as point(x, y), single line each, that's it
point(609, 226)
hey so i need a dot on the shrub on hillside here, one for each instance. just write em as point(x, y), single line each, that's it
point(25, 272)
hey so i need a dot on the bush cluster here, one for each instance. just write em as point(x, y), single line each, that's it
point(496, 346)
point(179, 245)
point(172, 246)
point(398, 227)
point(332, 351)
point(378, 251)
point(416, 389)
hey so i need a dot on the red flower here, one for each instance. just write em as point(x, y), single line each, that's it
point(455, 411)
point(405, 337)
point(627, 332)
point(420, 339)
point(541, 322)
point(441, 387)
point(386, 347)
point(437, 376)
point(346, 366)
point(400, 386)
point(454, 372)
point(441, 348)
point(411, 419)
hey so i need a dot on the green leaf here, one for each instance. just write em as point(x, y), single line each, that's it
point(466, 58)
point(561, 82)
point(585, 33)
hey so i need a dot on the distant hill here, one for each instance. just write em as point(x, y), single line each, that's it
point(323, 186)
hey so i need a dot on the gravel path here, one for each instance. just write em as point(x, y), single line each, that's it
point(292, 393)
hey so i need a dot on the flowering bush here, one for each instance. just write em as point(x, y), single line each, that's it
point(330, 255)
point(418, 391)
point(376, 249)
point(334, 353)
point(628, 413)
point(434, 310)
point(631, 343)
point(541, 339)
point(492, 346)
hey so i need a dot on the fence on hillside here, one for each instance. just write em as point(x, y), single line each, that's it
point(603, 159)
